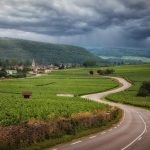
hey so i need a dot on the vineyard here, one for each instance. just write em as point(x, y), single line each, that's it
point(136, 74)
point(44, 102)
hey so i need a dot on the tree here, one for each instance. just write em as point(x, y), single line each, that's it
point(62, 66)
point(3, 73)
point(26, 69)
point(13, 62)
point(27, 63)
point(20, 75)
point(89, 63)
point(144, 89)
point(109, 71)
point(101, 72)
point(1, 63)
point(91, 72)
point(105, 72)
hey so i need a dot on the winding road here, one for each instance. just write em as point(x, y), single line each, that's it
point(132, 133)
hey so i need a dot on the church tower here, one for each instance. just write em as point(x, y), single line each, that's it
point(33, 64)
point(34, 68)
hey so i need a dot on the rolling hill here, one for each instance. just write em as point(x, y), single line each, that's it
point(120, 52)
point(125, 55)
point(44, 53)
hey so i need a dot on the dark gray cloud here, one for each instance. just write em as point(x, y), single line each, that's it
point(77, 17)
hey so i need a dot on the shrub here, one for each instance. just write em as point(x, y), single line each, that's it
point(109, 71)
point(105, 72)
point(3, 73)
point(19, 75)
point(33, 131)
point(91, 72)
point(101, 72)
point(144, 89)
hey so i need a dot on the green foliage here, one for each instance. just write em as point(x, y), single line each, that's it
point(19, 75)
point(62, 66)
point(91, 72)
point(105, 71)
point(144, 89)
point(89, 63)
point(43, 53)
point(3, 73)
point(12, 62)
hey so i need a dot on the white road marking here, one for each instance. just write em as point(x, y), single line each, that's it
point(139, 135)
point(139, 138)
point(121, 120)
point(92, 137)
point(76, 142)
point(115, 127)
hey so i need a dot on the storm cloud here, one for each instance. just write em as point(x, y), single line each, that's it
point(74, 18)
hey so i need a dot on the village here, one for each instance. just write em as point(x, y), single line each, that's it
point(34, 69)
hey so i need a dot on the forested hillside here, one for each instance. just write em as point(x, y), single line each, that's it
point(43, 53)
point(119, 52)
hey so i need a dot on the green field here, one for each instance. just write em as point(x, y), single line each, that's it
point(44, 102)
point(136, 74)
point(45, 105)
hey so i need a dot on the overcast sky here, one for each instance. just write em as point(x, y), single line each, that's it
point(90, 23)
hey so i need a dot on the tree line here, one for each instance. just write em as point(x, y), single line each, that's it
point(102, 72)
point(13, 62)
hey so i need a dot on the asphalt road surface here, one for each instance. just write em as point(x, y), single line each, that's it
point(132, 133)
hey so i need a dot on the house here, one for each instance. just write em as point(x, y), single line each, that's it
point(11, 72)
point(41, 70)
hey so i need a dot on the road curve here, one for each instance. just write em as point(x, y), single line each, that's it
point(132, 133)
